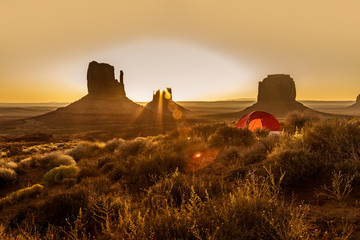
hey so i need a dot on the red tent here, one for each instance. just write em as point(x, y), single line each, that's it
point(259, 119)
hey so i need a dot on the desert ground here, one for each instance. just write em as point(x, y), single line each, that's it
point(24, 110)
point(202, 179)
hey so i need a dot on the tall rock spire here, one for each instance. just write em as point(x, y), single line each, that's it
point(101, 80)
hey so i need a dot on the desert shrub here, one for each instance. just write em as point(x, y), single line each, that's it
point(11, 165)
point(203, 131)
point(14, 150)
point(7, 177)
point(261, 132)
point(255, 153)
point(321, 148)
point(97, 185)
point(63, 160)
point(114, 144)
point(108, 158)
point(58, 174)
point(56, 159)
point(27, 163)
point(340, 187)
point(154, 160)
point(176, 189)
point(296, 120)
point(259, 151)
point(85, 150)
point(336, 141)
point(160, 164)
point(133, 147)
point(230, 155)
point(251, 211)
point(298, 162)
point(62, 208)
point(87, 172)
point(226, 135)
point(22, 194)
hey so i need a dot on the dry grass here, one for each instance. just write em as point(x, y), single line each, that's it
point(138, 189)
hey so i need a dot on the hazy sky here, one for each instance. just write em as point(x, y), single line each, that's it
point(203, 49)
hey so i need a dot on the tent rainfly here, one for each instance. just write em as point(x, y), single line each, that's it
point(259, 119)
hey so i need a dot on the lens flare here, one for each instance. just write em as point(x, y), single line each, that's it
point(177, 114)
point(167, 95)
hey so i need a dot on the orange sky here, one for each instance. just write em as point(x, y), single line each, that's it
point(204, 49)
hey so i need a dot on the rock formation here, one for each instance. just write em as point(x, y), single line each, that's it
point(276, 95)
point(101, 80)
point(166, 111)
point(277, 88)
point(107, 109)
point(356, 105)
point(104, 107)
point(162, 103)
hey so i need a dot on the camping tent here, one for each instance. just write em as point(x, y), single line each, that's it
point(259, 119)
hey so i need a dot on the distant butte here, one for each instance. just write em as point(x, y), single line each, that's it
point(163, 103)
point(167, 112)
point(106, 108)
point(276, 95)
point(277, 88)
point(101, 80)
point(356, 105)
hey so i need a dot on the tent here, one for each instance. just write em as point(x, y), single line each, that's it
point(259, 119)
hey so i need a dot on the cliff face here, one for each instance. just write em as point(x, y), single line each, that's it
point(101, 80)
point(277, 88)
point(358, 99)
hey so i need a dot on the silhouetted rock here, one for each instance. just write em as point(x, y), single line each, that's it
point(356, 105)
point(162, 103)
point(101, 80)
point(277, 88)
point(165, 112)
point(105, 108)
point(276, 95)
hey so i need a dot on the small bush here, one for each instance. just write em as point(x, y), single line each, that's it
point(226, 136)
point(231, 155)
point(261, 132)
point(22, 194)
point(132, 148)
point(7, 177)
point(296, 120)
point(85, 150)
point(259, 151)
point(49, 161)
point(11, 165)
point(27, 163)
point(176, 189)
point(335, 141)
point(65, 160)
point(62, 208)
point(87, 172)
point(254, 154)
point(58, 174)
point(114, 144)
point(204, 131)
point(298, 162)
